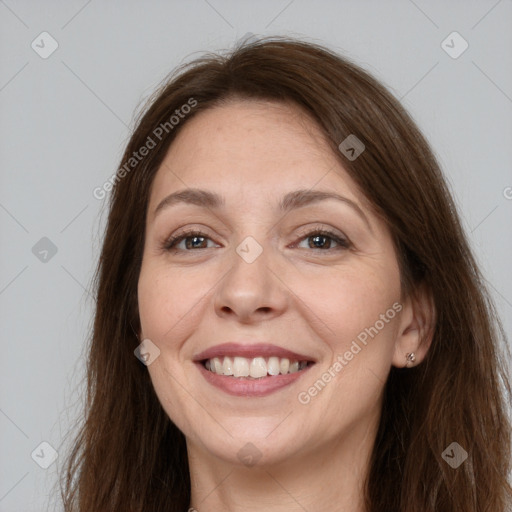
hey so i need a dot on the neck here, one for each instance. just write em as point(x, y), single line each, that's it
point(329, 474)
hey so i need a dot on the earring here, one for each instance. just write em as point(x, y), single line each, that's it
point(410, 358)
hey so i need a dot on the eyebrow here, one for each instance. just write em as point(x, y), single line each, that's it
point(291, 201)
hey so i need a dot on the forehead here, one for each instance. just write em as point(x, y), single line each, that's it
point(251, 148)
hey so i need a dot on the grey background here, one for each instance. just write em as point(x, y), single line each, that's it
point(65, 120)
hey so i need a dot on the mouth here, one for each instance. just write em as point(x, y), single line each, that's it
point(251, 370)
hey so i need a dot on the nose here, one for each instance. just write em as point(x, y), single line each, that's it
point(251, 291)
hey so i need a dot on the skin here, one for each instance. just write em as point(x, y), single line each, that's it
point(314, 301)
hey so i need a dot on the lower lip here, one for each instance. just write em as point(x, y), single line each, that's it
point(245, 386)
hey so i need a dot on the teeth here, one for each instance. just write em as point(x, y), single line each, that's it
point(227, 367)
point(256, 368)
point(240, 367)
point(273, 366)
point(217, 365)
point(294, 367)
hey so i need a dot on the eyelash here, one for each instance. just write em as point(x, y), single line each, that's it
point(171, 242)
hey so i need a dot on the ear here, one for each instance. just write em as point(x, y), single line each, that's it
point(416, 326)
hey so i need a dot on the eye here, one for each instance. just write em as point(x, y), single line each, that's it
point(322, 239)
point(192, 239)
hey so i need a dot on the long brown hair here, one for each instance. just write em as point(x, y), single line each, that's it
point(128, 455)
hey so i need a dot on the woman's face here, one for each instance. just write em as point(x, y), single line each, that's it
point(296, 293)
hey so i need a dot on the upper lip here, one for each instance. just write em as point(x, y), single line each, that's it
point(234, 349)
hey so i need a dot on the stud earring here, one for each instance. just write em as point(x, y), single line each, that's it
point(410, 358)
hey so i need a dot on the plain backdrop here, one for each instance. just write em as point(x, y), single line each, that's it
point(65, 119)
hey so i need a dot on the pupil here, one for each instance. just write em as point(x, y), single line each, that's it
point(317, 239)
point(194, 239)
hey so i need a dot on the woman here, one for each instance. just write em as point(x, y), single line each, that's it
point(288, 313)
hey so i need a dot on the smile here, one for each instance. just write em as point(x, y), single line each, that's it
point(251, 370)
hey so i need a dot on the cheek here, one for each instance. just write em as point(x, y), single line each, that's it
point(348, 301)
point(358, 310)
point(169, 300)
point(170, 308)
